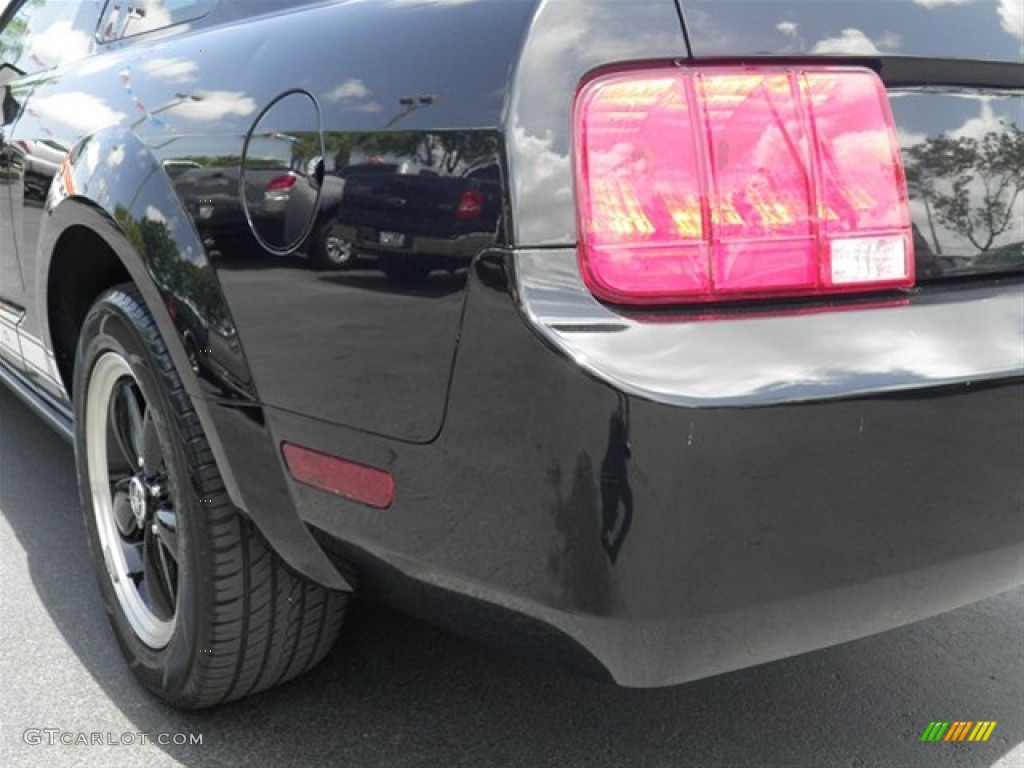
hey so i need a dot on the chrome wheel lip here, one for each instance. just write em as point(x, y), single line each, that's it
point(109, 370)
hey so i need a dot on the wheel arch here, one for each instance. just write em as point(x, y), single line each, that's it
point(82, 266)
point(84, 252)
point(103, 227)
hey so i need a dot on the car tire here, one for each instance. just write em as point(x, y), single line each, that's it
point(203, 610)
point(331, 251)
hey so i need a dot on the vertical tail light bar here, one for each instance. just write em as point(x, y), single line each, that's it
point(718, 183)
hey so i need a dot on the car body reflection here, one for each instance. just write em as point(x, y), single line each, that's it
point(211, 196)
point(405, 221)
point(396, 214)
point(42, 161)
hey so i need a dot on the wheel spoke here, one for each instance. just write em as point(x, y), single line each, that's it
point(159, 581)
point(134, 560)
point(169, 574)
point(124, 518)
point(126, 418)
point(152, 453)
point(167, 530)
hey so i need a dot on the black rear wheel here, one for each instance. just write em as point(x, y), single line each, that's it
point(202, 608)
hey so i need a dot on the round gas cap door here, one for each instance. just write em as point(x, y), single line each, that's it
point(282, 170)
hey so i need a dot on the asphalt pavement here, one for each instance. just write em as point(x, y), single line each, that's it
point(397, 692)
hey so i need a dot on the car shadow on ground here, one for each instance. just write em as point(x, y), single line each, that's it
point(399, 692)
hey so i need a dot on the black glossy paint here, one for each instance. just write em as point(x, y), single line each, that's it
point(717, 488)
point(710, 537)
point(985, 30)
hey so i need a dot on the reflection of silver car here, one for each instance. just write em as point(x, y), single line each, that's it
point(326, 246)
point(175, 168)
point(277, 192)
point(42, 162)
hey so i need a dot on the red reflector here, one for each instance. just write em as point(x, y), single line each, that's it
point(717, 183)
point(280, 183)
point(367, 485)
point(470, 206)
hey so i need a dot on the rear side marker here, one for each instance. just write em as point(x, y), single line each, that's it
point(357, 482)
point(718, 183)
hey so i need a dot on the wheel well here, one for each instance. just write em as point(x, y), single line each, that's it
point(83, 267)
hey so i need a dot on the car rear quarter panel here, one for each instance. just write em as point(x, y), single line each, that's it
point(684, 493)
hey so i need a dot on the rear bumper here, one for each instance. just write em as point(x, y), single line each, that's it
point(943, 334)
point(456, 250)
point(682, 647)
point(678, 516)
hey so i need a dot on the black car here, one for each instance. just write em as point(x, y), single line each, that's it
point(691, 389)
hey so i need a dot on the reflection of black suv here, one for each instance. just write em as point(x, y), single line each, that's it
point(409, 222)
point(687, 396)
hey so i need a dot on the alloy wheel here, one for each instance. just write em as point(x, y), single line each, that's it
point(133, 499)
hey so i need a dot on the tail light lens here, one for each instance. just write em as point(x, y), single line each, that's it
point(281, 183)
point(720, 183)
point(471, 205)
point(280, 187)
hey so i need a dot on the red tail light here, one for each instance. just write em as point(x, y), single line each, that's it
point(281, 183)
point(470, 206)
point(719, 183)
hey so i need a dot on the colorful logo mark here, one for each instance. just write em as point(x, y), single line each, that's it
point(958, 730)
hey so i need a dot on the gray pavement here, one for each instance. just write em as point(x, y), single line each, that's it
point(397, 692)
